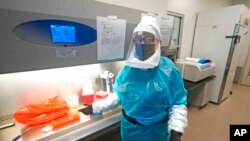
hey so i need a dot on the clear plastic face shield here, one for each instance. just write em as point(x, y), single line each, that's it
point(144, 50)
point(145, 45)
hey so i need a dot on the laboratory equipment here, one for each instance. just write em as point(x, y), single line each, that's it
point(21, 51)
point(106, 80)
point(87, 92)
point(218, 36)
point(193, 71)
point(34, 38)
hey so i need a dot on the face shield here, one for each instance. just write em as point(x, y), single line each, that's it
point(144, 50)
point(145, 45)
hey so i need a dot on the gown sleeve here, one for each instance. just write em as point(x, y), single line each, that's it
point(178, 111)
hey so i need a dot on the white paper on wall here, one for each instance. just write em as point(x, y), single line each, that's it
point(110, 38)
point(167, 27)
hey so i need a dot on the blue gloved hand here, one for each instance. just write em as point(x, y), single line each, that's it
point(175, 136)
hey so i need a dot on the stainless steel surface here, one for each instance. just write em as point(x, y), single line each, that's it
point(20, 89)
point(89, 129)
point(6, 123)
point(72, 132)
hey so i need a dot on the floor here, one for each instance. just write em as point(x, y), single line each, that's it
point(211, 123)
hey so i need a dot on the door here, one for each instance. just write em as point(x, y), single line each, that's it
point(210, 42)
point(245, 80)
point(232, 61)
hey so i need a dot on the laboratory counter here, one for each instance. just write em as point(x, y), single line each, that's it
point(98, 127)
point(88, 129)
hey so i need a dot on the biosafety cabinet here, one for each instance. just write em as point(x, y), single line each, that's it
point(54, 34)
point(35, 39)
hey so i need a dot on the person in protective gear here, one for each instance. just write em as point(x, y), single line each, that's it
point(149, 89)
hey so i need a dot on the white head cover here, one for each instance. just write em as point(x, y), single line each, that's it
point(148, 24)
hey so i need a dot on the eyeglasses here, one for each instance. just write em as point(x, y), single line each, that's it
point(146, 39)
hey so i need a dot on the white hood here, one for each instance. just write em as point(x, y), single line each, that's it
point(148, 24)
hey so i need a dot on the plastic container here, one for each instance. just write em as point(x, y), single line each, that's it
point(88, 95)
point(101, 95)
point(72, 100)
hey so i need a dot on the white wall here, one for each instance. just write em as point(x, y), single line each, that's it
point(158, 6)
point(190, 8)
point(64, 7)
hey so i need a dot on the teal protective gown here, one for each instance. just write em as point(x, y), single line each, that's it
point(146, 95)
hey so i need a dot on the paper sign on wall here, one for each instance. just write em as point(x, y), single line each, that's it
point(167, 27)
point(166, 24)
point(110, 38)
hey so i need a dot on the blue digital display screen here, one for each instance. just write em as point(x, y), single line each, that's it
point(63, 34)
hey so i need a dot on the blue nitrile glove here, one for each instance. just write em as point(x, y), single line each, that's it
point(175, 136)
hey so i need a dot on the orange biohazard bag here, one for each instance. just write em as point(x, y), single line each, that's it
point(41, 113)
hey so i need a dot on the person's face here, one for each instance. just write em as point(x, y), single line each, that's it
point(144, 38)
point(145, 45)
